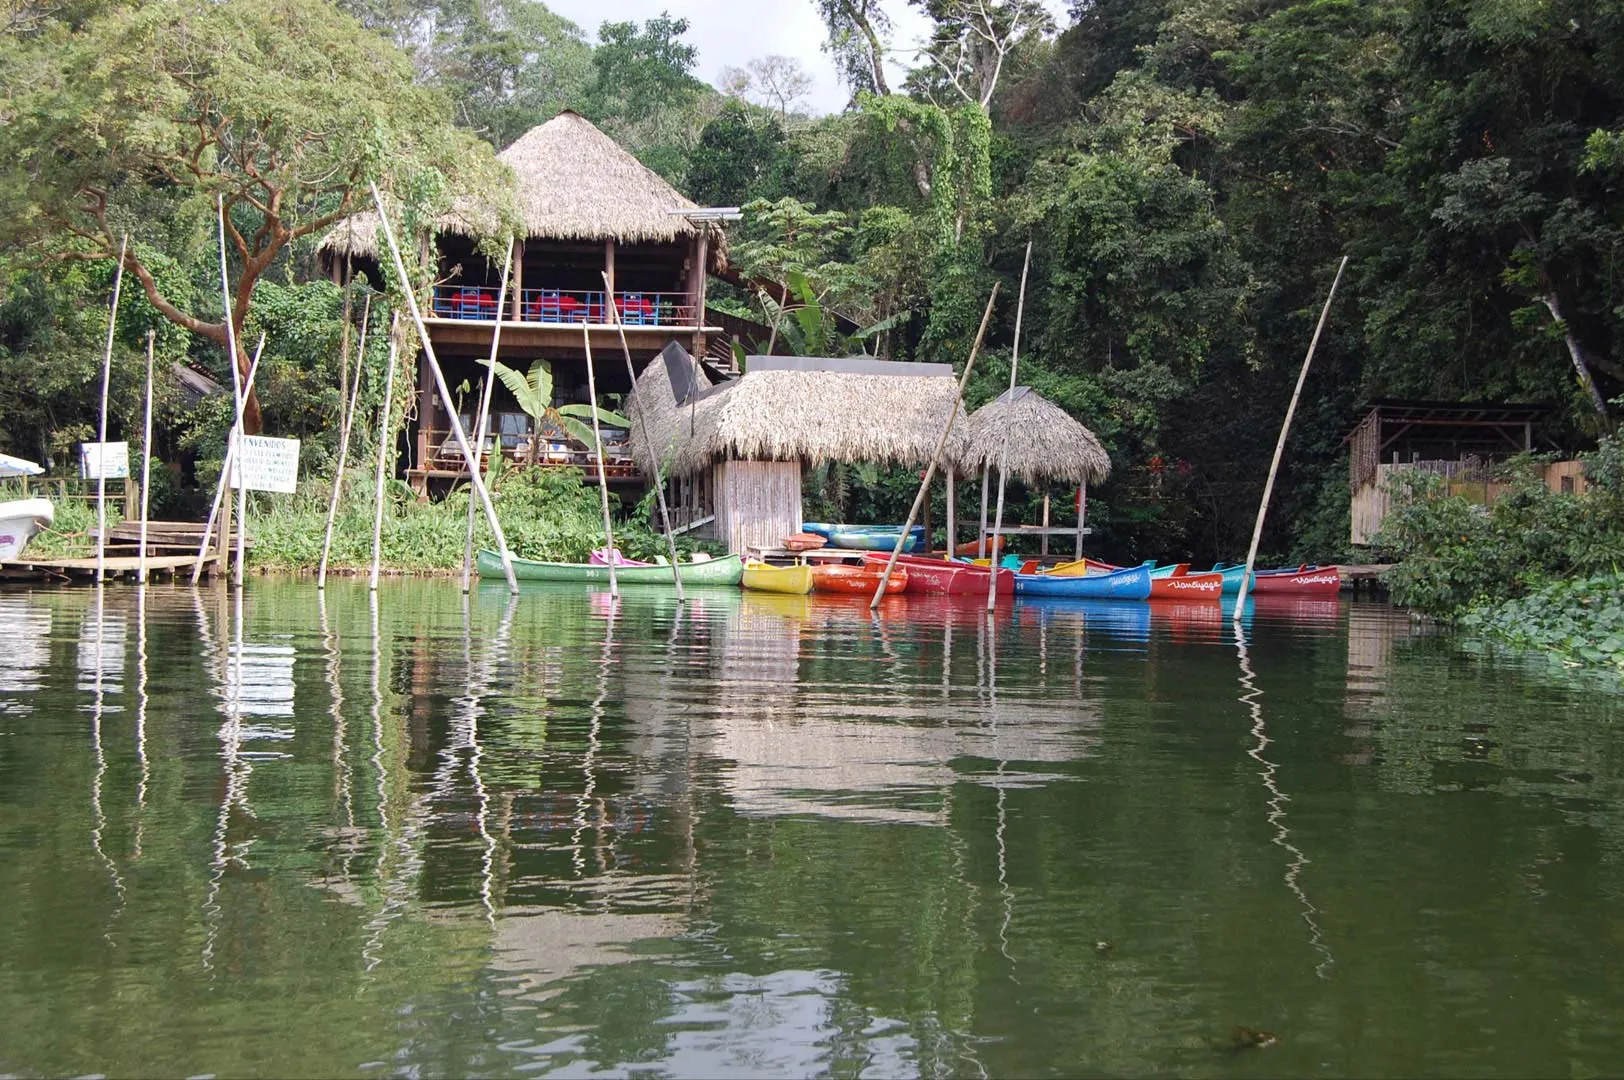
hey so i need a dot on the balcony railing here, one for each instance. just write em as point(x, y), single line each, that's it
point(561, 307)
point(444, 454)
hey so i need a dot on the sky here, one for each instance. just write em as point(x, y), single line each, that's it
point(729, 33)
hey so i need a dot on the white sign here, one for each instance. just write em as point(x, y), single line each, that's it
point(266, 464)
point(104, 461)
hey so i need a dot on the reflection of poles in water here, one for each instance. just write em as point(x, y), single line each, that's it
point(97, 815)
point(141, 703)
point(335, 695)
point(482, 799)
point(1006, 894)
point(1251, 696)
point(393, 839)
point(237, 771)
point(593, 741)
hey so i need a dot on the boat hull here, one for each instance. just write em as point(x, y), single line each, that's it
point(1303, 581)
point(867, 537)
point(719, 571)
point(1177, 583)
point(938, 577)
point(20, 521)
point(1131, 584)
point(791, 580)
point(1085, 567)
point(858, 580)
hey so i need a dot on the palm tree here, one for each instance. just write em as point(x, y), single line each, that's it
point(533, 390)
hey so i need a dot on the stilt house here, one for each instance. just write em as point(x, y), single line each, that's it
point(589, 209)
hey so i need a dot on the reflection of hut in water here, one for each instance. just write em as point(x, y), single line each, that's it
point(539, 949)
point(736, 450)
point(793, 742)
point(1036, 442)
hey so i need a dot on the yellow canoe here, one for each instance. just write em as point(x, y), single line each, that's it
point(795, 580)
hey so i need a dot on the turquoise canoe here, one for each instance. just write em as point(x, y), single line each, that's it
point(867, 537)
point(1130, 584)
point(727, 570)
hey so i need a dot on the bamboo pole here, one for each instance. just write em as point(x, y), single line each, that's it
point(930, 472)
point(1003, 452)
point(445, 393)
point(146, 464)
point(242, 485)
point(648, 444)
point(952, 522)
point(346, 424)
point(101, 447)
point(981, 536)
point(482, 424)
point(219, 492)
point(603, 477)
point(384, 433)
point(1280, 444)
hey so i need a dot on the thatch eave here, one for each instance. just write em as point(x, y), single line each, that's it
point(1042, 441)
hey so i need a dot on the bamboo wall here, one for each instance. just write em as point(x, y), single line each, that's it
point(757, 502)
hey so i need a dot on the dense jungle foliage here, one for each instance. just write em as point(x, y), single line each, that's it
point(1189, 171)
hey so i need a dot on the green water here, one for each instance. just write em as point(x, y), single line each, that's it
point(769, 836)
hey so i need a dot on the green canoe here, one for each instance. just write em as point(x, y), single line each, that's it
point(722, 571)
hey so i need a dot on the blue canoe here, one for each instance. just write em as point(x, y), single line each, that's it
point(867, 537)
point(1232, 575)
point(1130, 584)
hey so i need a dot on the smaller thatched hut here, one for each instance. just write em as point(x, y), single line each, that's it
point(739, 446)
point(1035, 440)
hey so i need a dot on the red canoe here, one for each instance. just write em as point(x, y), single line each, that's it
point(942, 578)
point(1181, 584)
point(1304, 581)
point(834, 578)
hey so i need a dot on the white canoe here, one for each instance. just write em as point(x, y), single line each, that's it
point(20, 521)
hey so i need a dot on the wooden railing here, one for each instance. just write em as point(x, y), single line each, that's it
point(562, 307)
point(443, 454)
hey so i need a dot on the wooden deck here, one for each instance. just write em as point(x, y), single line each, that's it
point(116, 566)
point(1363, 575)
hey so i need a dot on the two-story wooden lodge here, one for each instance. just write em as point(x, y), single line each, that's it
point(590, 210)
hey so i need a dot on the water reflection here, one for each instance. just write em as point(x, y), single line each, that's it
point(555, 833)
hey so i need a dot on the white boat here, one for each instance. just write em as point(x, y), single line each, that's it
point(20, 521)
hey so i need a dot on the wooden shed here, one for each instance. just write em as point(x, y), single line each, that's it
point(732, 453)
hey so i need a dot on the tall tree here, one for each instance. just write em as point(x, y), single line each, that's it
point(138, 121)
point(859, 38)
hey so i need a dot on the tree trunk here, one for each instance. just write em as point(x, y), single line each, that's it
point(1576, 354)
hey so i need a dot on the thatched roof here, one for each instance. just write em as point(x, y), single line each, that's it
point(662, 403)
point(1045, 442)
point(571, 182)
point(814, 409)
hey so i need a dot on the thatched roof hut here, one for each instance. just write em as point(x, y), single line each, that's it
point(814, 410)
point(663, 403)
point(1044, 441)
point(571, 182)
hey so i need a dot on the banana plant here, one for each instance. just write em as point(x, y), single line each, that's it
point(533, 391)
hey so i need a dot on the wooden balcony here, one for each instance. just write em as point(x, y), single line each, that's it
point(444, 460)
point(466, 314)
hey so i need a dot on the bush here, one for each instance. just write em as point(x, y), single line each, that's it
point(1581, 621)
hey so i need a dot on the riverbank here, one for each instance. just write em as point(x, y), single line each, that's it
point(1579, 621)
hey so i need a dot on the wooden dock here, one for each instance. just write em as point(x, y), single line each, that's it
point(1367, 576)
point(116, 566)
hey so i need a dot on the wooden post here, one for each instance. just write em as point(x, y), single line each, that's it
point(346, 423)
point(947, 429)
point(516, 259)
point(640, 421)
point(1003, 453)
point(1082, 515)
point(146, 464)
point(445, 393)
point(952, 523)
point(223, 538)
point(1044, 541)
point(385, 435)
point(981, 533)
point(603, 476)
point(101, 451)
point(482, 424)
point(609, 271)
point(1280, 444)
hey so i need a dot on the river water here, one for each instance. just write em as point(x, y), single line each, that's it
point(770, 836)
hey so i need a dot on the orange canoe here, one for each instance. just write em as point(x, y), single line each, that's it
point(1186, 586)
point(835, 578)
